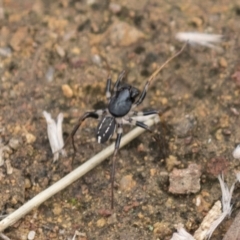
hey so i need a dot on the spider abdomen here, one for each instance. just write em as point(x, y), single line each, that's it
point(121, 103)
point(105, 129)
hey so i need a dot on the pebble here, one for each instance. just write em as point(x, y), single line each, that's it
point(18, 38)
point(31, 235)
point(184, 126)
point(60, 50)
point(96, 59)
point(184, 181)
point(217, 165)
point(127, 183)
point(57, 209)
point(101, 222)
point(171, 162)
point(162, 229)
point(9, 167)
point(236, 152)
point(27, 183)
point(115, 8)
point(202, 205)
point(50, 74)
point(14, 143)
point(5, 52)
point(223, 62)
point(197, 21)
point(30, 138)
point(67, 91)
point(123, 34)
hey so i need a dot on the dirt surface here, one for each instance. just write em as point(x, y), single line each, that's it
point(55, 56)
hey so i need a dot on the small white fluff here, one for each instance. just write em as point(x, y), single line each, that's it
point(182, 234)
point(226, 205)
point(204, 39)
point(236, 152)
point(54, 131)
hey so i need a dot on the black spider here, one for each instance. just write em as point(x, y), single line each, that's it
point(120, 110)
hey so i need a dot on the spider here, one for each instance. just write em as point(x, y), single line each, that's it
point(121, 103)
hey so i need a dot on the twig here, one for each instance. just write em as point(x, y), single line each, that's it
point(69, 179)
point(169, 60)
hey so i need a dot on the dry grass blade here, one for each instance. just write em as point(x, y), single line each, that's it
point(169, 60)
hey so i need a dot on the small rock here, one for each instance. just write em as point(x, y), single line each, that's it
point(104, 212)
point(9, 167)
point(50, 74)
point(153, 172)
point(162, 229)
point(127, 183)
point(5, 52)
point(112, 219)
point(217, 165)
point(140, 148)
point(185, 126)
point(76, 51)
point(96, 59)
point(67, 91)
point(115, 8)
point(197, 21)
point(202, 205)
point(171, 162)
point(18, 38)
point(30, 138)
point(27, 183)
point(223, 62)
point(31, 235)
point(184, 181)
point(101, 222)
point(14, 143)
point(60, 50)
point(123, 34)
point(91, 2)
point(57, 209)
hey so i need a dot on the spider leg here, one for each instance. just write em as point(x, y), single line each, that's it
point(142, 95)
point(144, 113)
point(117, 144)
point(80, 121)
point(138, 124)
point(142, 116)
point(119, 80)
point(108, 88)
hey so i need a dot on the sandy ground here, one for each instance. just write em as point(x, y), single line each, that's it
point(56, 57)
